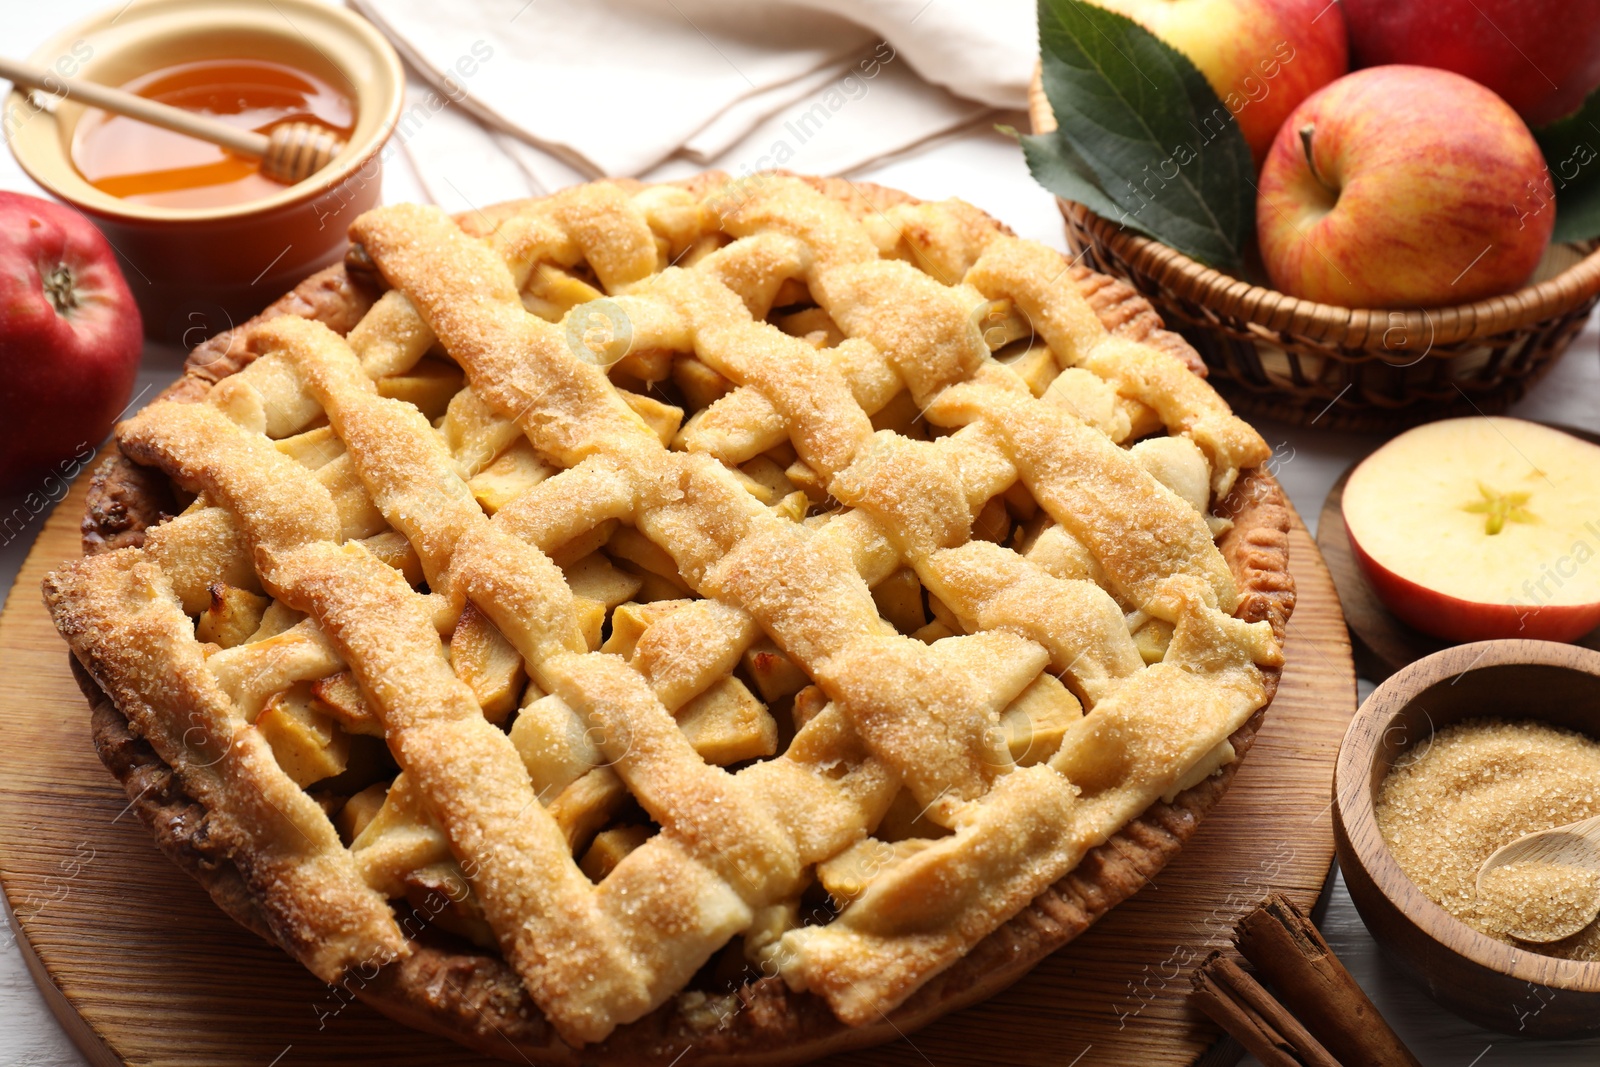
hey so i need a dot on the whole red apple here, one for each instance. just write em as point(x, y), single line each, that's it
point(1541, 56)
point(1261, 56)
point(70, 337)
point(1403, 187)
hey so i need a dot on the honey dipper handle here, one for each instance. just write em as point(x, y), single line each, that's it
point(245, 142)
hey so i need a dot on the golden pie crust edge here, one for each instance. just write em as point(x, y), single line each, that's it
point(458, 991)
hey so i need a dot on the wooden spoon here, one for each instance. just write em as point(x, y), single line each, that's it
point(290, 153)
point(1574, 847)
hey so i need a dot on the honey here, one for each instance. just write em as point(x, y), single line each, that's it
point(145, 164)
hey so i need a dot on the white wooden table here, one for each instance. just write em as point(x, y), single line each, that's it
point(985, 169)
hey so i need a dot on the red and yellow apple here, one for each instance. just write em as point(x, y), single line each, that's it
point(1261, 56)
point(70, 337)
point(1541, 56)
point(1403, 187)
point(1479, 528)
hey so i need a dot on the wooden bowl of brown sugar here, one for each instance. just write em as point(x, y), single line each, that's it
point(1448, 755)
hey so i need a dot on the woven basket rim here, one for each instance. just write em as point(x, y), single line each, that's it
point(1260, 305)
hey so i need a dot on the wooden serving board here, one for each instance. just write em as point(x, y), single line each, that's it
point(1382, 643)
point(142, 968)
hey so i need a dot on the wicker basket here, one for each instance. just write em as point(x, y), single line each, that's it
point(1277, 356)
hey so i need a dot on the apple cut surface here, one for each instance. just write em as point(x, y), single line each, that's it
point(1477, 528)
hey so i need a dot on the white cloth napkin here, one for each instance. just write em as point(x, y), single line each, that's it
point(518, 97)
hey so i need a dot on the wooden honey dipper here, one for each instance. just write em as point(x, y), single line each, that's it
point(290, 153)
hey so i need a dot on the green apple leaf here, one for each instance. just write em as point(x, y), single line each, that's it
point(1142, 137)
point(1571, 148)
point(1056, 165)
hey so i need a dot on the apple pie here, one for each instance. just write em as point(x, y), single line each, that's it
point(733, 620)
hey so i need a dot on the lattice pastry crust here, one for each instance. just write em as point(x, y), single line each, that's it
point(748, 731)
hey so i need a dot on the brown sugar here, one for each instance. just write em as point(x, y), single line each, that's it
point(1452, 800)
point(1535, 900)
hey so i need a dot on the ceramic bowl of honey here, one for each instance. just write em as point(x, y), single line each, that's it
point(203, 238)
point(1453, 756)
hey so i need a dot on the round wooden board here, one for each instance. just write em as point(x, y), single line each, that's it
point(142, 968)
point(1382, 643)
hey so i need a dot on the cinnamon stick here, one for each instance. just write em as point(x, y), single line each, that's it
point(1289, 953)
point(1241, 1006)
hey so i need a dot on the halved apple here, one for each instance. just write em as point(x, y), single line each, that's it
point(1478, 528)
